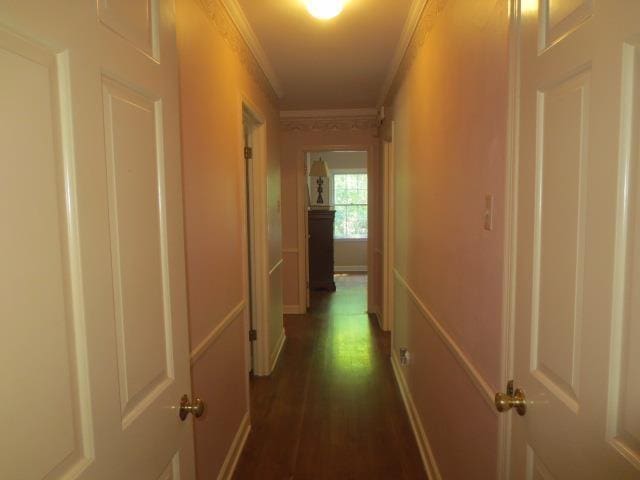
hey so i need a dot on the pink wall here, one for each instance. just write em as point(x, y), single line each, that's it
point(449, 148)
point(298, 136)
point(213, 82)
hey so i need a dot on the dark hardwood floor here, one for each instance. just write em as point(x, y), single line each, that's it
point(331, 409)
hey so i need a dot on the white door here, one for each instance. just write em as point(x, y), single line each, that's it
point(577, 333)
point(94, 347)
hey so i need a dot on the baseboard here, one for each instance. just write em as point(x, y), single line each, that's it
point(428, 459)
point(294, 310)
point(350, 269)
point(278, 351)
point(235, 450)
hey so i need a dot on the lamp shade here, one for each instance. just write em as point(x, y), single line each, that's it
point(319, 169)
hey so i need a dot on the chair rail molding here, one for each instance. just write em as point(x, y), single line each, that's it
point(276, 266)
point(217, 331)
point(277, 351)
point(294, 309)
point(483, 387)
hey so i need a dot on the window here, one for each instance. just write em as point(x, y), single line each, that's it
point(350, 202)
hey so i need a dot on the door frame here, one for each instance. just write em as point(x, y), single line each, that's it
point(254, 237)
point(303, 232)
point(388, 237)
point(510, 232)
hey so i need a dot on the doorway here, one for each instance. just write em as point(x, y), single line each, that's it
point(256, 270)
point(336, 217)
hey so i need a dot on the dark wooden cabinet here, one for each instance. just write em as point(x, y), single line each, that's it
point(321, 250)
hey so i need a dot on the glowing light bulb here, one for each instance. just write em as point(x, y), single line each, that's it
point(325, 9)
point(529, 7)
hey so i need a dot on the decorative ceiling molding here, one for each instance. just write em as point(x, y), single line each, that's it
point(349, 112)
point(244, 27)
point(427, 21)
point(415, 11)
point(330, 124)
point(218, 14)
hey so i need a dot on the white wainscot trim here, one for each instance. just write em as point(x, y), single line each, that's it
point(463, 359)
point(293, 310)
point(276, 266)
point(215, 334)
point(277, 351)
point(350, 269)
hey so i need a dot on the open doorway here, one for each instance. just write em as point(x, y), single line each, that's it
point(248, 127)
point(256, 270)
point(337, 220)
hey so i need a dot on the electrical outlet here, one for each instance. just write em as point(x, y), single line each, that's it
point(405, 356)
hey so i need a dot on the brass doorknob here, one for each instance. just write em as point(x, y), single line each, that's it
point(512, 399)
point(186, 407)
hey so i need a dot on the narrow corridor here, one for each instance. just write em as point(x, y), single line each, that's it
point(331, 409)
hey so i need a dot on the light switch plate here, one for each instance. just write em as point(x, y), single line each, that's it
point(488, 212)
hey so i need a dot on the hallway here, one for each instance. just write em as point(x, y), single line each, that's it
point(178, 174)
point(331, 409)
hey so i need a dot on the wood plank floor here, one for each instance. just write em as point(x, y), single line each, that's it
point(331, 409)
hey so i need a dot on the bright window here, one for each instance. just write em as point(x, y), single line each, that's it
point(350, 202)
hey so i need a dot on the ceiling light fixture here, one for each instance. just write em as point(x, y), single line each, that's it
point(325, 9)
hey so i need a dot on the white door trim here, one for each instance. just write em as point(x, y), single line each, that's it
point(388, 237)
point(510, 234)
point(256, 273)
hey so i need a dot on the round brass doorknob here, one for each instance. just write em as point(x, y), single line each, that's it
point(196, 407)
point(506, 401)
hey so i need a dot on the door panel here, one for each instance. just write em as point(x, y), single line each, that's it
point(135, 173)
point(97, 354)
point(562, 120)
point(136, 22)
point(40, 299)
point(575, 318)
point(560, 17)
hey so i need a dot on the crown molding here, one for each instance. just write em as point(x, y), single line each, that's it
point(415, 12)
point(244, 27)
point(426, 22)
point(221, 19)
point(347, 112)
point(330, 124)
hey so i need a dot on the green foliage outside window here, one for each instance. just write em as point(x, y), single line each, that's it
point(350, 201)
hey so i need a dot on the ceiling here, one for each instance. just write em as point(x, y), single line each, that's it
point(328, 64)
